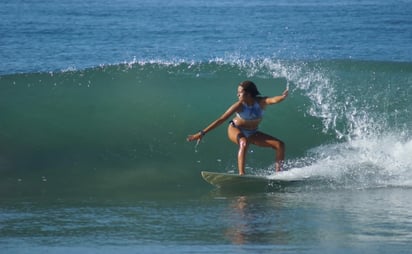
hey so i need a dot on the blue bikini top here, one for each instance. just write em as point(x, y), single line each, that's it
point(251, 112)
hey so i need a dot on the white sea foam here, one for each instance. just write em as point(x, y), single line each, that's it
point(368, 151)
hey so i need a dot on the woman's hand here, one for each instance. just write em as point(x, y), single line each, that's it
point(285, 93)
point(194, 137)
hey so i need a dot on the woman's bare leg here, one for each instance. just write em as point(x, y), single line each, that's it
point(236, 136)
point(241, 156)
point(265, 140)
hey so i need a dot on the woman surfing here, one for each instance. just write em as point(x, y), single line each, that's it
point(243, 128)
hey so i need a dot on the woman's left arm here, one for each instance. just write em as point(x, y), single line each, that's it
point(276, 99)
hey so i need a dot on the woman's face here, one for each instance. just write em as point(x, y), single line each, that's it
point(241, 94)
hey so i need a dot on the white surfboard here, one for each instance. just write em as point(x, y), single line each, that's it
point(225, 180)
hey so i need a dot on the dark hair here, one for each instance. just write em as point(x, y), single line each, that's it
point(250, 88)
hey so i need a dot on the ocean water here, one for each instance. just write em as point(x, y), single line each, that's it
point(97, 98)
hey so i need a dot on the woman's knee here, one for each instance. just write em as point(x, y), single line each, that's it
point(279, 145)
point(243, 144)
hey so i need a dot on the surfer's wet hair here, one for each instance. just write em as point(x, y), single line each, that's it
point(250, 88)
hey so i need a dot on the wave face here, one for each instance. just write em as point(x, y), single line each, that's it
point(124, 126)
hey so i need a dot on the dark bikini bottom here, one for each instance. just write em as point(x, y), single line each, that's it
point(247, 133)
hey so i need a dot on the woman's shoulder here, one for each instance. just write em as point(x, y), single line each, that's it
point(237, 106)
point(261, 98)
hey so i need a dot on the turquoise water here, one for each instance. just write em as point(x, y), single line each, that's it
point(358, 221)
point(97, 99)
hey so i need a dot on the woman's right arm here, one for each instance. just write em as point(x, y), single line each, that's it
point(229, 112)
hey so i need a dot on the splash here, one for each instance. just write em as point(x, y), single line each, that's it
point(371, 148)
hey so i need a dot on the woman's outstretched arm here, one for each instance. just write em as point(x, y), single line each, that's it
point(230, 111)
